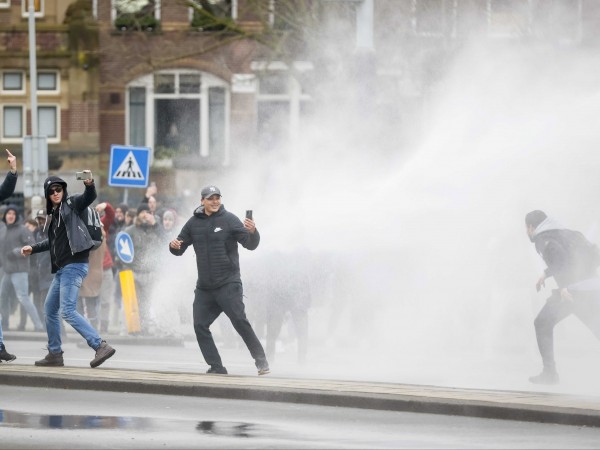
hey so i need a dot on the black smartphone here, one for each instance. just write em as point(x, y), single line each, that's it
point(249, 214)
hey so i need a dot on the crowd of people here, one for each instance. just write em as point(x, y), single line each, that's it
point(60, 275)
point(24, 282)
point(54, 273)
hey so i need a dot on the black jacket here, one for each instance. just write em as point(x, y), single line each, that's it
point(215, 239)
point(559, 249)
point(79, 240)
point(8, 186)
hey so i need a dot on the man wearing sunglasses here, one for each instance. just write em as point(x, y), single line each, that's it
point(69, 244)
point(6, 190)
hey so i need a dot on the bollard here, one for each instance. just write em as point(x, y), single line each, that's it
point(130, 303)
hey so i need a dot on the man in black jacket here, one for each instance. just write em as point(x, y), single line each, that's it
point(6, 190)
point(572, 261)
point(215, 234)
point(69, 244)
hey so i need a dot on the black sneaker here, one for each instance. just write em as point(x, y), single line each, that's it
point(217, 369)
point(51, 360)
point(103, 352)
point(545, 377)
point(5, 356)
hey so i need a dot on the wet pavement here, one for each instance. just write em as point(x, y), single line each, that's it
point(176, 368)
point(58, 419)
point(511, 405)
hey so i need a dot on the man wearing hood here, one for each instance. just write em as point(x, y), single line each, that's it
point(16, 267)
point(215, 234)
point(6, 190)
point(572, 261)
point(69, 244)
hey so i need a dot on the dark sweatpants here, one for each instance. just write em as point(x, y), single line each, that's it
point(208, 305)
point(586, 306)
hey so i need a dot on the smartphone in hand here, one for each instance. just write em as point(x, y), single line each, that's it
point(83, 175)
point(249, 214)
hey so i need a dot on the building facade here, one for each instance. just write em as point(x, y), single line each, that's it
point(204, 95)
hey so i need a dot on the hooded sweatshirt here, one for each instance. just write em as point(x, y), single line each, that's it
point(558, 247)
point(68, 239)
point(17, 235)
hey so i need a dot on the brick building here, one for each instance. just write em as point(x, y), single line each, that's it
point(155, 73)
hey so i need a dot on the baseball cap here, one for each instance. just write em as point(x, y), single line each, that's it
point(40, 214)
point(210, 190)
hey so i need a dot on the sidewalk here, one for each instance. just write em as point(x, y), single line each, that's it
point(510, 405)
point(72, 336)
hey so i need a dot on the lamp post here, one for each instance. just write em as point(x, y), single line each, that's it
point(35, 148)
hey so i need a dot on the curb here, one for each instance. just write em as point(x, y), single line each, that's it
point(504, 405)
point(166, 341)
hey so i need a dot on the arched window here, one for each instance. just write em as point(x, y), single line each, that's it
point(182, 115)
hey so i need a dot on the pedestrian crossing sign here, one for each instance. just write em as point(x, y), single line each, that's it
point(129, 166)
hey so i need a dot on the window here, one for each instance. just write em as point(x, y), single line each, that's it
point(13, 123)
point(13, 82)
point(49, 123)
point(182, 115)
point(509, 18)
point(282, 103)
point(434, 17)
point(4, 4)
point(38, 8)
point(130, 15)
point(559, 20)
point(205, 14)
point(48, 82)
point(137, 116)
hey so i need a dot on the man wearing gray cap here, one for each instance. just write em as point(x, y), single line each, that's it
point(215, 234)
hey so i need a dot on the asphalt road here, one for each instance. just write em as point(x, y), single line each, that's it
point(54, 418)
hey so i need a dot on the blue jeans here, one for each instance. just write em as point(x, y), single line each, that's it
point(62, 298)
point(20, 282)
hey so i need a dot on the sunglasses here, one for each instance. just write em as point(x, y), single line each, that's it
point(56, 190)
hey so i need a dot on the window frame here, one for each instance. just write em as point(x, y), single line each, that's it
point(10, 91)
point(207, 81)
point(56, 106)
point(13, 140)
point(449, 15)
point(508, 35)
point(295, 95)
point(36, 14)
point(113, 11)
point(48, 91)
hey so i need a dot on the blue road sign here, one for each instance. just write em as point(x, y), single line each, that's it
point(124, 247)
point(129, 166)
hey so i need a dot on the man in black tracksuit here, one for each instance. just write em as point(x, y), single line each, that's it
point(572, 261)
point(215, 233)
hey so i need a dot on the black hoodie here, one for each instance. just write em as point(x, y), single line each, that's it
point(68, 238)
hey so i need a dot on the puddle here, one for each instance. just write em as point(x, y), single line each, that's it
point(237, 429)
point(65, 422)
point(75, 422)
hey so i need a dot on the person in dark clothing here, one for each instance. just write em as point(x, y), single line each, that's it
point(41, 266)
point(16, 268)
point(69, 244)
point(6, 190)
point(572, 260)
point(215, 234)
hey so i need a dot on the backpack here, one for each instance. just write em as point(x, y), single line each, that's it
point(91, 219)
point(583, 252)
